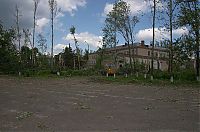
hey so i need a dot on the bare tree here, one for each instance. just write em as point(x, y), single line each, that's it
point(153, 43)
point(171, 41)
point(27, 35)
point(53, 11)
point(171, 13)
point(36, 2)
point(17, 15)
point(72, 31)
point(42, 43)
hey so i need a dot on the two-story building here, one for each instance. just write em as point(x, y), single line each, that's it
point(139, 51)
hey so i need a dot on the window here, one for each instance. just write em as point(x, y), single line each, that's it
point(156, 54)
point(149, 53)
point(161, 55)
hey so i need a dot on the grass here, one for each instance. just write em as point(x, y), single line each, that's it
point(43, 74)
point(139, 80)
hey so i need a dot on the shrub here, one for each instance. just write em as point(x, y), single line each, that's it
point(28, 72)
point(187, 74)
point(43, 72)
point(161, 74)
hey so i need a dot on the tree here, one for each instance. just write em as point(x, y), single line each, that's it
point(121, 19)
point(72, 31)
point(183, 47)
point(8, 52)
point(42, 43)
point(153, 42)
point(108, 35)
point(53, 11)
point(27, 35)
point(26, 54)
point(86, 55)
point(171, 11)
point(17, 15)
point(68, 57)
point(36, 2)
point(189, 16)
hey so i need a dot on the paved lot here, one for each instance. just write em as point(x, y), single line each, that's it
point(78, 104)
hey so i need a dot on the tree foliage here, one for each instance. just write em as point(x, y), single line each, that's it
point(190, 16)
point(122, 21)
point(8, 52)
point(73, 31)
point(184, 50)
point(68, 57)
point(42, 43)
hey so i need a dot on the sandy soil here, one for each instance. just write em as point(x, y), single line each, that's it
point(79, 104)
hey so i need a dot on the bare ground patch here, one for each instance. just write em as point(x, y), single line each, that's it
point(79, 104)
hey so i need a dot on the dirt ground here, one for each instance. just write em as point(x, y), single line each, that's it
point(79, 104)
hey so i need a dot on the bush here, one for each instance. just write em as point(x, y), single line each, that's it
point(187, 75)
point(28, 72)
point(43, 72)
point(161, 74)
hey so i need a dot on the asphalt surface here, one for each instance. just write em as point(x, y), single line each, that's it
point(79, 104)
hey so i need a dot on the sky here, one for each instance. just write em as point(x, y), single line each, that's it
point(87, 16)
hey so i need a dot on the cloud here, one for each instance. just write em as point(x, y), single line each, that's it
point(108, 8)
point(59, 48)
point(85, 37)
point(136, 6)
point(71, 5)
point(41, 23)
point(7, 11)
point(160, 34)
point(181, 31)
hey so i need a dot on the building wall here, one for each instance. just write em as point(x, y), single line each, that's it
point(92, 60)
point(142, 54)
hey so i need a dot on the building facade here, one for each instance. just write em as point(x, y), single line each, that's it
point(139, 51)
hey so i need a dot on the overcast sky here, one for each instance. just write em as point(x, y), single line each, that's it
point(86, 15)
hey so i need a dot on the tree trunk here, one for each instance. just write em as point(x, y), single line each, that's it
point(130, 58)
point(197, 42)
point(52, 39)
point(34, 13)
point(170, 46)
point(152, 49)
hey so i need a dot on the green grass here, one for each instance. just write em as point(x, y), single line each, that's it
point(140, 80)
point(93, 76)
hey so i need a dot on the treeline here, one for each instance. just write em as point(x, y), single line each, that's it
point(13, 61)
point(24, 51)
